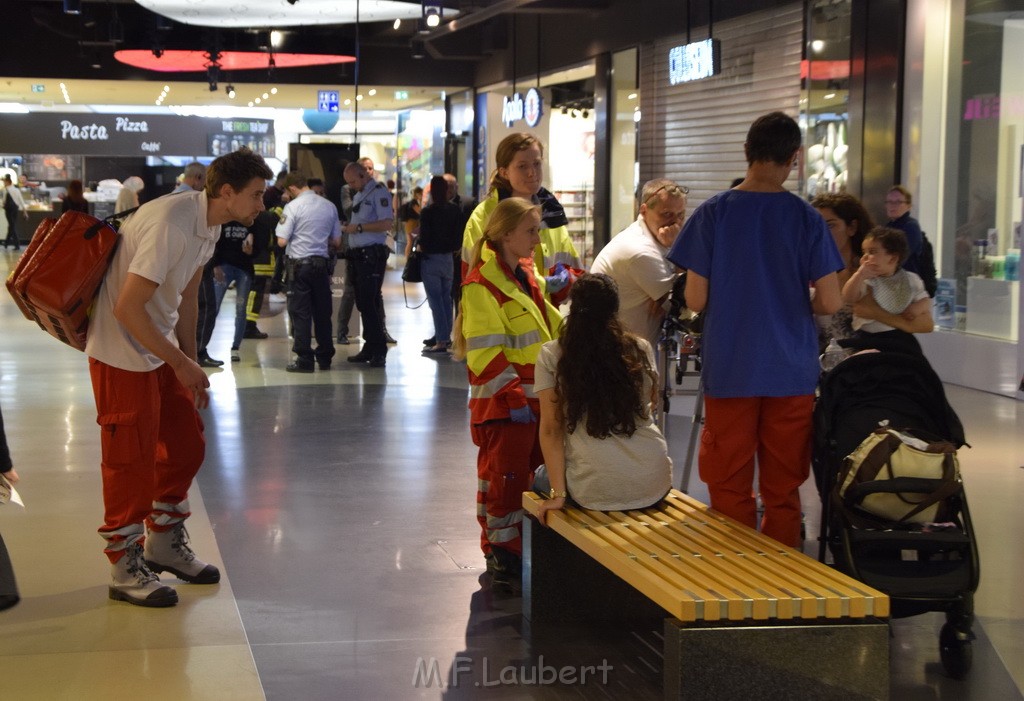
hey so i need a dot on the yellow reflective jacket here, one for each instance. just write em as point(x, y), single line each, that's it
point(504, 329)
point(555, 244)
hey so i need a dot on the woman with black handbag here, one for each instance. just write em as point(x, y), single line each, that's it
point(440, 236)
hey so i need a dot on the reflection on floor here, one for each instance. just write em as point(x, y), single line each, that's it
point(340, 507)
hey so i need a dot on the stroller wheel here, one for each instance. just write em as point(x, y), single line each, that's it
point(956, 651)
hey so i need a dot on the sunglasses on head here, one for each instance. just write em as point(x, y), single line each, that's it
point(671, 190)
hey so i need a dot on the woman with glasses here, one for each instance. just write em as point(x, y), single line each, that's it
point(897, 208)
point(520, 173)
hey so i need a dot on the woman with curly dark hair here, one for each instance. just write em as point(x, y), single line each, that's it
point(849, 223)
point(596, 386)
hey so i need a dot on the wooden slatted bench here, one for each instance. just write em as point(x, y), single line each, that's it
point(748, 617)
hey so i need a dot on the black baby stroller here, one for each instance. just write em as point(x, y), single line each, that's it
point(922, 567)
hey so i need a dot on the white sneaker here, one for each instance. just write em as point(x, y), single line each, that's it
point(169, 551)
point(136, 583)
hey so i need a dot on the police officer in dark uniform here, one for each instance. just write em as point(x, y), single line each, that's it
point(309, 227)
point(372, 220)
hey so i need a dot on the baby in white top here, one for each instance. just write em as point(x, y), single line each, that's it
point(897, 291)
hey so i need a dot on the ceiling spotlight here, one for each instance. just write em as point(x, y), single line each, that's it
point(230, 91)
point(398, 23)
point(72, 7)
point(433, 17)
point(292, 2)
point(565, 109)
point(276, 39)
point(586, 113)
point(417, 49)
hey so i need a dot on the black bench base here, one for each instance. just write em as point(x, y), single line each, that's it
point(801, 661)
point(821, 659)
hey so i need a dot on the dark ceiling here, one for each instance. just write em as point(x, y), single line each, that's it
point(493, 40)
point(49, 43)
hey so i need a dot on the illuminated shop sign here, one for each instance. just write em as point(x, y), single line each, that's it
point(992, 107)
point(696, 61)
point(128, 134)
point(517, 108)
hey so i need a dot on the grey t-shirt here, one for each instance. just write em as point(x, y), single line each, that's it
point(614, 473)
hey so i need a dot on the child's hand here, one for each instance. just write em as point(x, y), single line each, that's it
point(868, 267)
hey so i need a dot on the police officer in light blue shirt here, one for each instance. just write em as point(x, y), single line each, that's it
point(368, 228)
point(308, 229)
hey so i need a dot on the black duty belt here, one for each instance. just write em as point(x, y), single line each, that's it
point(309, 260)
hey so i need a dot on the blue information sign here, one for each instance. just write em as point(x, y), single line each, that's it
point(327, 101)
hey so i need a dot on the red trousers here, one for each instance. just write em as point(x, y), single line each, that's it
point(153, 446)
point(509, 454)
point(777, 430)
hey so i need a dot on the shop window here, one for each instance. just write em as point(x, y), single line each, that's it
point(824, 101)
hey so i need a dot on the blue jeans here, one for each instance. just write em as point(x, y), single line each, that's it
point(438, 271)
point(243, 281)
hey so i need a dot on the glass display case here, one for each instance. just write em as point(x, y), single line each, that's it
point(579, 209)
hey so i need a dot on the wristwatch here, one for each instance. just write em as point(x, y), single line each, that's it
point(359, 228)
point(557, 495)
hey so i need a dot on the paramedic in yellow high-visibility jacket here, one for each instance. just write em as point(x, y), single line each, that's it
point(504, 319)
point(520, 171)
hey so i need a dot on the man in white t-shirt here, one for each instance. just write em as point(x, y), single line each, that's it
point(146, 380)
point(635, 258)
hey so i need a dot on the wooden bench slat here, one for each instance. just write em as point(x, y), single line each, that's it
point(825, 599)
point(616, 547)
point(734, 565)
point(700, 565)
point(861, 599)
point(756, 603)
point(683, 604)
point(813, 598)
point(790, 558)
point(766, 596)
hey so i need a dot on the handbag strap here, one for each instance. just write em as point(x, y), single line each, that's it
point(406, 295)
point(948, 489)
point(95, 228)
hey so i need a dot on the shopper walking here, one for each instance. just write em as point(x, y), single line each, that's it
point(440, 236)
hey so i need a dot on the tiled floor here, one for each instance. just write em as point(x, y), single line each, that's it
point(340, 507)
